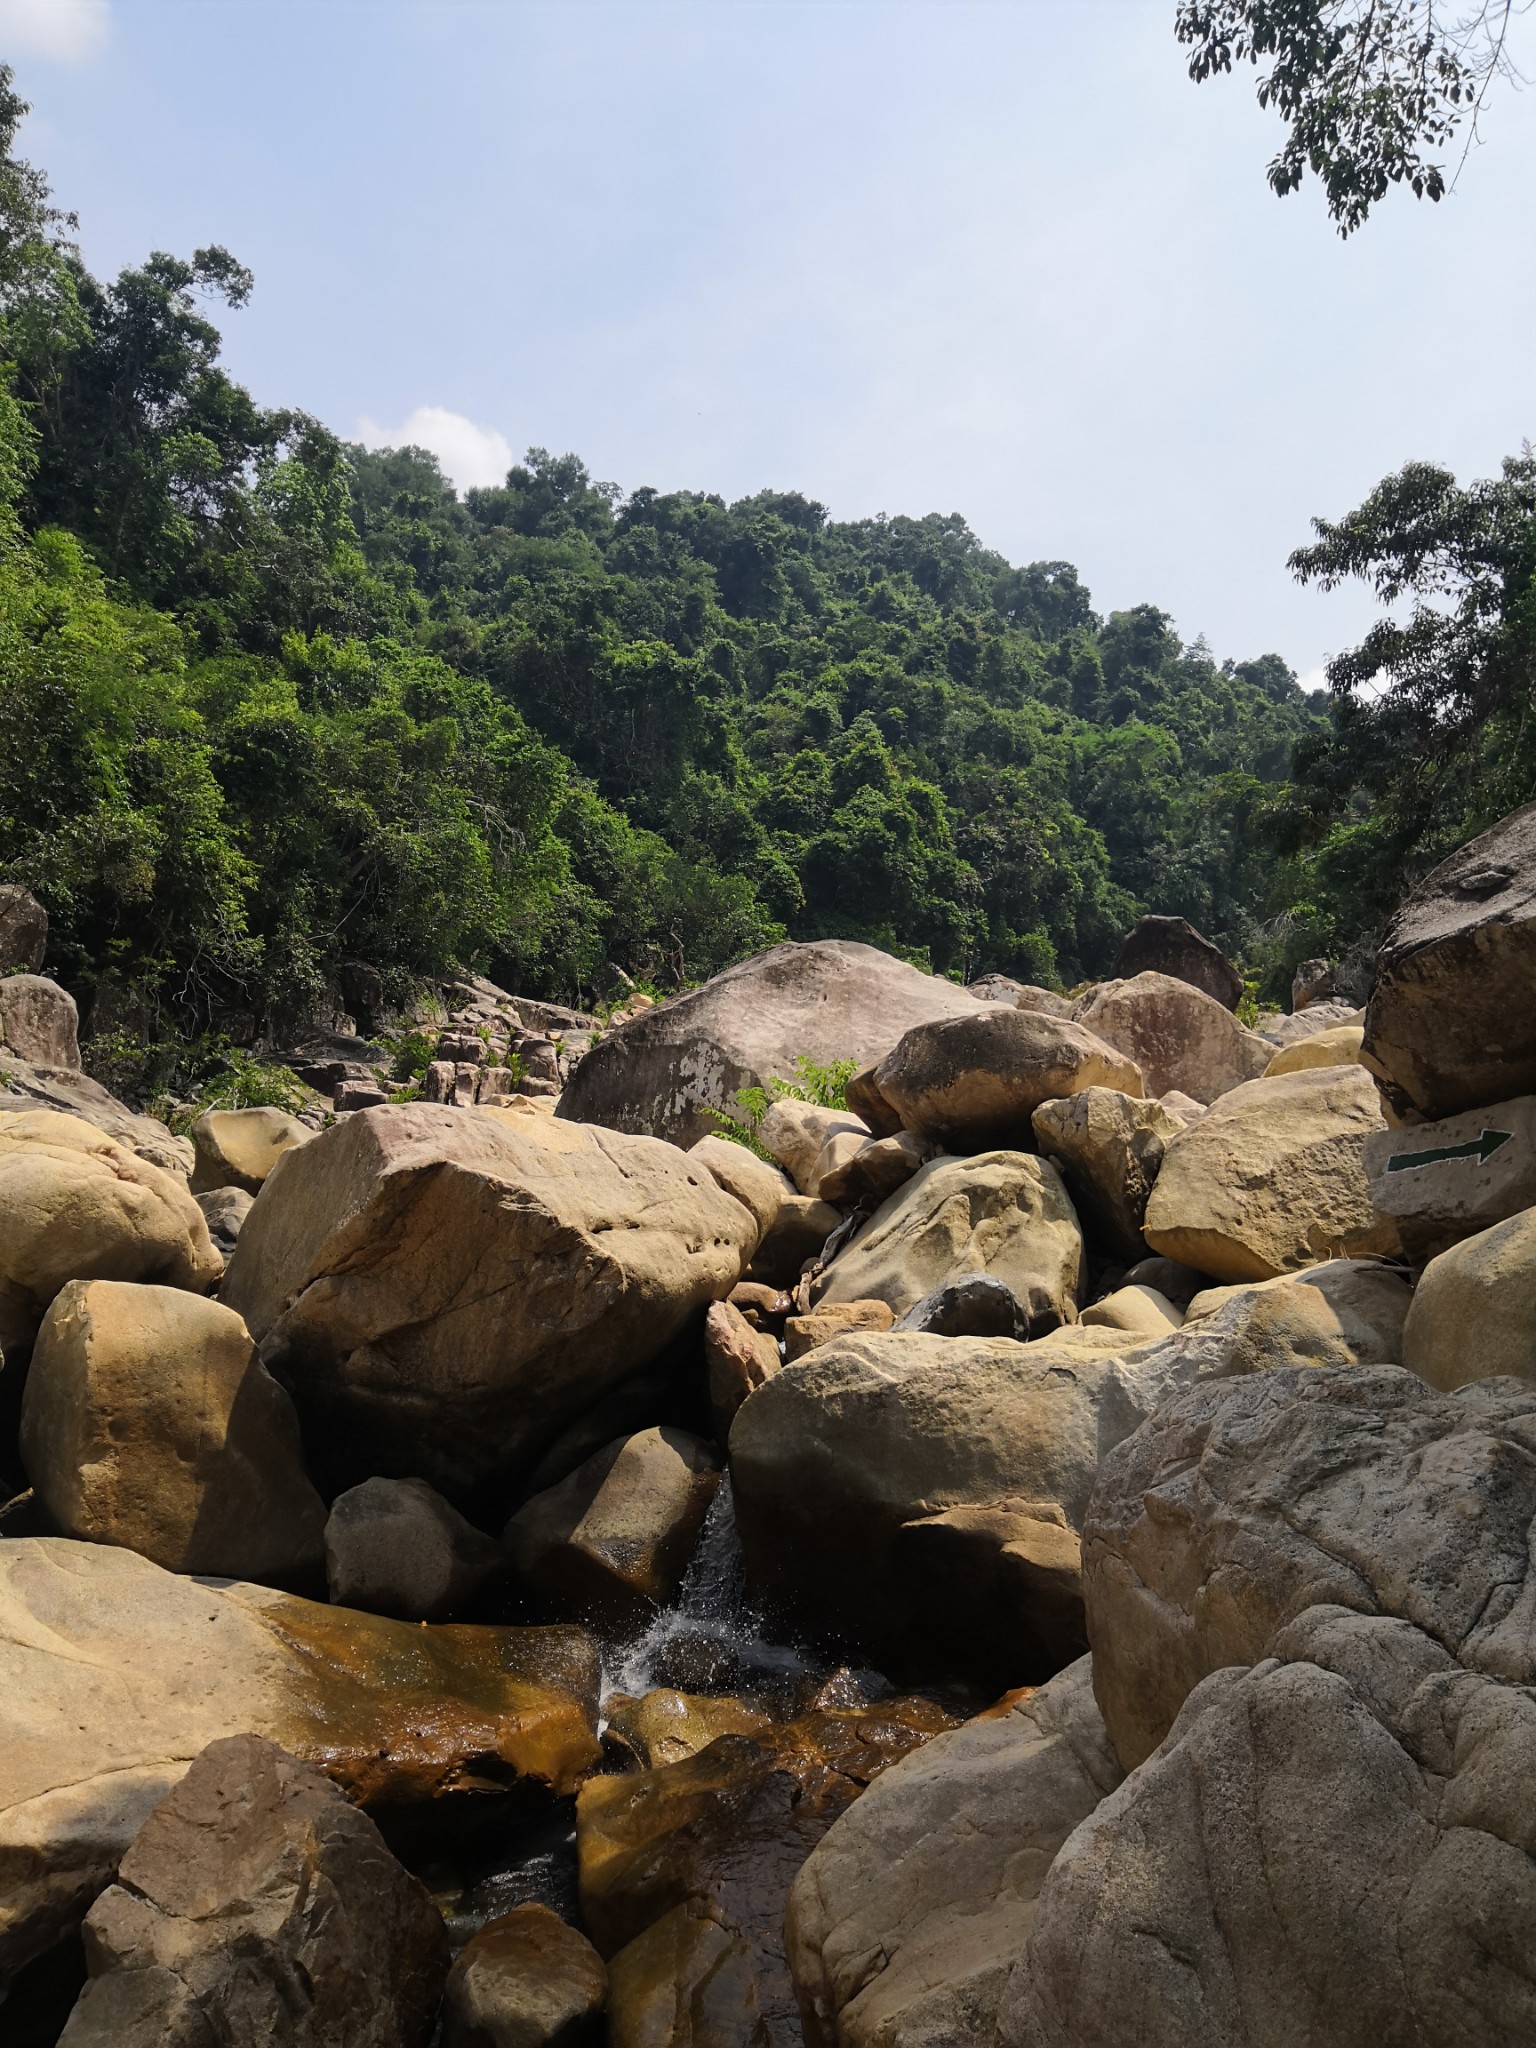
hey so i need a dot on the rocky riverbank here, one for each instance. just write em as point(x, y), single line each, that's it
point(1030, 1551)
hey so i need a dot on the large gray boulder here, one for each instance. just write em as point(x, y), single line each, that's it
point(1332, 1847)
point(907, 1918)
point(39, 1021)
point(1181, 1038)
point(1451, 1023)
point(256, 1904)
point(833, 999)
point(447, 1292)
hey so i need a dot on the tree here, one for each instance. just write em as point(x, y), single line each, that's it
point(1371, 91)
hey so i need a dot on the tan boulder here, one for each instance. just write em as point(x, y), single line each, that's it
point(76, 1205)
point(1109, 1148)
point(526, 1980)
point(39, 1021)
point(687, 1982)
point(870, 1173)
point(1273, 1179)
point(759, 1187)
point(798, 1133)
point(148, 1421)
point(907, 1918)
point(1180, 1037)
point(449, 1291)
point(613, 1540)
point(1346, 1312)
point(257, 1904)
point(1245, 1501)
point(863, 1097)
point(114, 1674)
point(69, 1093)
point(238, 1148)
point(1332, 1847)
point(971, 1084)
point(1004, 1213)
point(737, 1360)
point(833, 1319)
point(1474, 1310)
point(1282, 1030)
point(1445, 1181)
point(395, 1546)
point(1339, 1047)
point(1020, 995)
point(796, 1237)
point(1140, 1311)
point(664, 1726)
point(1451, 1023)
point(833, 1161)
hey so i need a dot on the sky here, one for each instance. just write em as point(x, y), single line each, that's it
point(994, 257)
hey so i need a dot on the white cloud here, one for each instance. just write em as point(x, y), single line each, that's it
point(470, 455)
point(1314, 679)
point(68, 31)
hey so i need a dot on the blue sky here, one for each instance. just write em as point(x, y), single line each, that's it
point(985, 256)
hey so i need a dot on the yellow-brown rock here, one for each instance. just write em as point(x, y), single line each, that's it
point(526, 1980)
point(833, 1319)
point(664, 1726)
point(1339, 1047)
point(238, 1148)
point(1474, 1310)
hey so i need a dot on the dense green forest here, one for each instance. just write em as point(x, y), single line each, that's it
point(271, 705)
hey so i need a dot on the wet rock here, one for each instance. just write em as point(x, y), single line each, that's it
point(1109, 1148)
point(1004, 1213)
point(1138, 1310)
point(395, 1546)
point(907, 1918)
point(1451, 1023)
point(1244, 1502)
point(1178, 1036)
point(797, 1134)
point(722, 1835)
point(797, 1235)
point(1474, 1310)
point(76, 1205)
point(1338, 1047)
point(1332, 1847)
point(23, 930)
point(834, 1456)
point(148, 1421)
point(39, 1021)
point(972, 1083)
point(256, 1904)
point(833, 1319)
point(27, 1087)
point(829, 1000)
point(1442, 1182)
point(665, 1725)
point(614, 1539)
point(448, 1291)
point(759, 1187)
point(1273, 1179)
point(114, 1674)
point(737, 1360)
point(238, 1148)
point(975, 1305)
point(224, 1211)
point(526, 1980)
point(871, 1172)
point(1171, 946)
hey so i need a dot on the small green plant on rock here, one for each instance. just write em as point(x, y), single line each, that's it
point(823, 1085)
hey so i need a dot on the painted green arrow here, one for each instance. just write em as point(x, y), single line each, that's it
point(1482, 1148)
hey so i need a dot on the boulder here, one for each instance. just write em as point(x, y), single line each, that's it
point(257, 1904)
point(835, 1456)
point(1170, 946)
point(1281, 1030)
point(614, 1539)
point(238, 1148)
point(1273, 1179)
point(907, 1917)
point(1140, 1311)
point(448, 1291)
point(148, 1421)
point(862, 1095)
point(1337, 1047)
point(971, 1084)
point(1347, 1312)
point(114, 1674)
point(1179, 1037)
point(1445, 1181)
point(76, 1205)
point(1474, 1310)
point(1451, 1023)
point(665, 1726)
point(39, 1021)
point(25, 1087)
point(1020, 995)
point(1177, 1283)
point(760, 1188)
point(1246, 1501)
point(974, 1305)
point(797, 1133)
point(870, 1173)
point(395, 1546)
point(23, 930)
point(526, 1980)
point(737, 1360)
point(1312, 983)
point(1109, 1148)
point(1003, 1213)
point(796, 1236)
point(829, 1000)
point(719, 1837)
point(1332, 1847)
point(224, 1210)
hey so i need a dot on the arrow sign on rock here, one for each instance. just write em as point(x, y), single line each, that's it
point(1481, 1148)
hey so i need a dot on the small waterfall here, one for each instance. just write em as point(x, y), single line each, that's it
point(709, 1639)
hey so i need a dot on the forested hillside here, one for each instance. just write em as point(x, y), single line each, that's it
point(270, 704)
